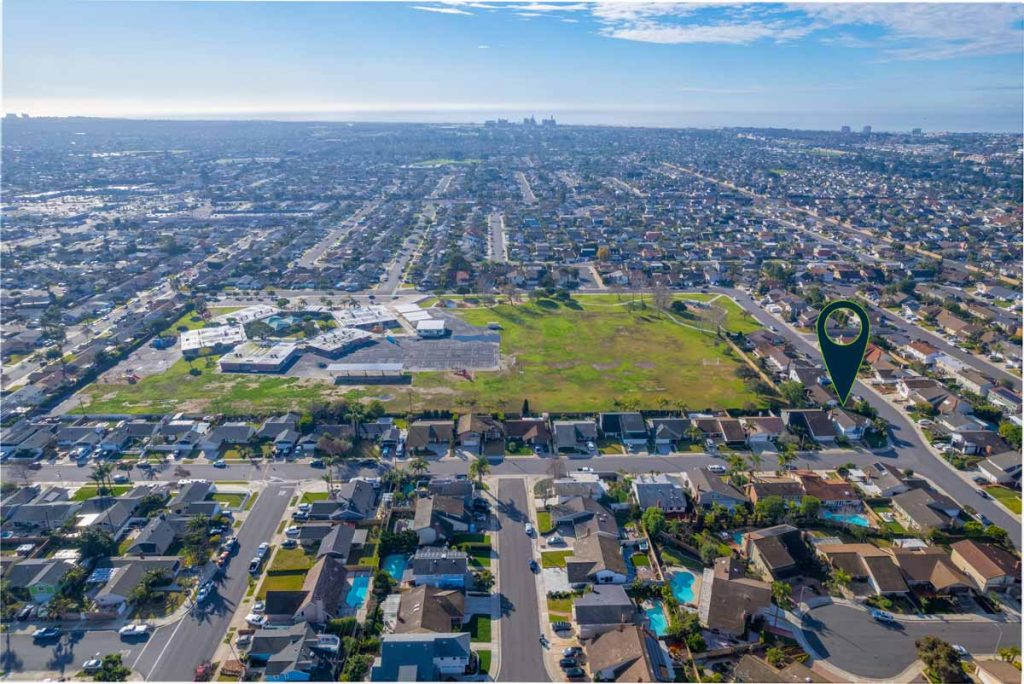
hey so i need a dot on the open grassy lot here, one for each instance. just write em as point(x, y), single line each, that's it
point(1007, 497)
point(231, 394)
point(587, 354)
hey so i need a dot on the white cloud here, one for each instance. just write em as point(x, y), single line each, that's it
point(483, 47)
point(442, 10)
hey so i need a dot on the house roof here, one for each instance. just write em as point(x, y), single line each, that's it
point(780, 546)
point(535, 429)
point(988, 561)
point(325, 582)
point(439, 561)
point(727, 597)
point(925, 507)
point(337, 542)
point(429, 609)
point(999, 671)
point(606, 604)
point(410, 656)
point(705, 482)
point(624, 652)
point(422, 433)
point(568, 434)
point(284, 602)
point(931, 564)
point(593, 554)
point(659, 491)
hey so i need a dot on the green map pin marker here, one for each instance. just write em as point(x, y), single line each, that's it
point(843, 360)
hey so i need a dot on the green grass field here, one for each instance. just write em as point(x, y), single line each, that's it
point(1007, 497)
point(291, 560)
point(586, 355)
point(479, 628)
point(230, 500)
point(89, 491)
point(313, 497)
point(554, 559)
point(289, 581)
point(232, 394)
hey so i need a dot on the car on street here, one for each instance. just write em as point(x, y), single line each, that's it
point(317, 463)
point(528, 528)
point(883, 616)
point(92, 664)
point(121, 478)
point(254, 566)
point(46, 633)
point(533, 566)
point(229, 544)
point(220, 464)
point(584, 469)
point(983, 494)
point(133, 630)
point(26, 612)
point(223, 558)
point(716, 468)
point(961, 651)
point(261, 550)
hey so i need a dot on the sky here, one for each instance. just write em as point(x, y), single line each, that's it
point(813, 66)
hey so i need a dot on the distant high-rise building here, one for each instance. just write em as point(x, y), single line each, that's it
point(844, 129)
point(916, 131)
point(866, 130)
point(529, 121)
point(548, 122)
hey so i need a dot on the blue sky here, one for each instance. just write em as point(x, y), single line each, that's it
point(937, 66)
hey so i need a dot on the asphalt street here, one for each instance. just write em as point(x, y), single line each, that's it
point(850, 639)
point(522, 659)
point(909, 451)
point(195, 638)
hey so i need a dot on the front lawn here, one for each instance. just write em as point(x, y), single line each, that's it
point(291, 560)
point(479, 554)
point(1007, 497)
point(228, 500)
point(562, 606)
point(479, 628)
point(313, 497)
point(544, 524)
point(641, 560)
point(89, 491)
point(282, 581)
point(485, 661)
point(554, 559)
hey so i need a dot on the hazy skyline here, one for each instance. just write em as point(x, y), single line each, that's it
point(894, 67)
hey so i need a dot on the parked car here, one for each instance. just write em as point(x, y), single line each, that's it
point(533, 566)
point(46, 633)
point(566, 663)
point(983, 494)
point(292, 531)
point(93, 664)
point(961, 651)
point(317, 463)
point(133, 630)
point(584, 469)
point(220, 464)
point(26, 612)
point(555, 540)
point(256, 620)
point(883, 616)
point(121, 478)
point(259, 607)
point(528, 528)
point(571, 652)
point(261, 550)
point(575, 673)
point(229, 544)
point(716, 468)
point(254, 566)
point(289, 544)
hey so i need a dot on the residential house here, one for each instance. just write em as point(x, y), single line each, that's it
point(978, 442)
point(778, 552)
point(659, 491)
point(930, 569)
point(340, 542)
point(848, 424)
point(924, 510)
point(1005, 399)
point(41, 577)
point(597, 559)
point(762, 431)
point(667, 433)
point(576, 437)
point(990, 567)
point(588, 485)
point(439, 567)
point(707, 489)
point(429, 609)
point(533, 432)
point(833, 494)
point(117, 578)
point(323, 588)
point(421, 657)
point(754, 669)
point(866, 563)
point(430, 436)
point(603, 609)
point(439, 518)
point(189, 498)
point(996, 672)
point(626, 654)
point(629, 427)
point(786, 488)
point(1002, 468)
point(157, 536)
point(879, 479)
point(728, 599)
point(285, 654)
point(481, 434)
point(815, 423)
point(921, 351)
point(223, 436)
point(34, 519)
point(354, 500)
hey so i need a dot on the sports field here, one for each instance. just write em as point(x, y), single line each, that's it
point(596, 353)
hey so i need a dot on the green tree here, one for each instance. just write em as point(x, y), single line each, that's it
point(654, 521)
point(775, 656)
point(484, 580)
point(1011, 433)
point(792, 393)
point(809, 507)
point(419, 465)
point(770, 509)
point(112, 669)
point(94, 542)
point(1009, 653)
point(940, 659)
point(478, 469)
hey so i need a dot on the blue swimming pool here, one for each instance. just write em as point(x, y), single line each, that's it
point(357, 593)
point(737, 538)
point(682, 586)
point(849, 518)
point(395, 564)
point(656, 618)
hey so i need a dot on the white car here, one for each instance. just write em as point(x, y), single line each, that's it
point(262, 549)
point(584, 469)
point(256, 620)
point(716, 468)
point(133, 630)
point(961, 651)
point(528, 528)
point(292, 531)
point(93, 664)
point(259, 607)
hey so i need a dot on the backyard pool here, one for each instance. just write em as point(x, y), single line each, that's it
point(682, 586)
point(394, 565)
point(737, 539)
point(656, 617)
point(858, 519)
point(357, 592)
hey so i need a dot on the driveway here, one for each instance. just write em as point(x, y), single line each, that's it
point(850, 639)
point(522, 658)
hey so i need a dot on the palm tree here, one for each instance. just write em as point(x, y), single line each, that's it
point(782, 594)
point(478, 469)
point(754, 460)
point(419, 465)
point(329, 477)
point(736, 465)
point(694, 433)
point(785, 457)
point(59, 605)
point(841, 577)
point(101, 476)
